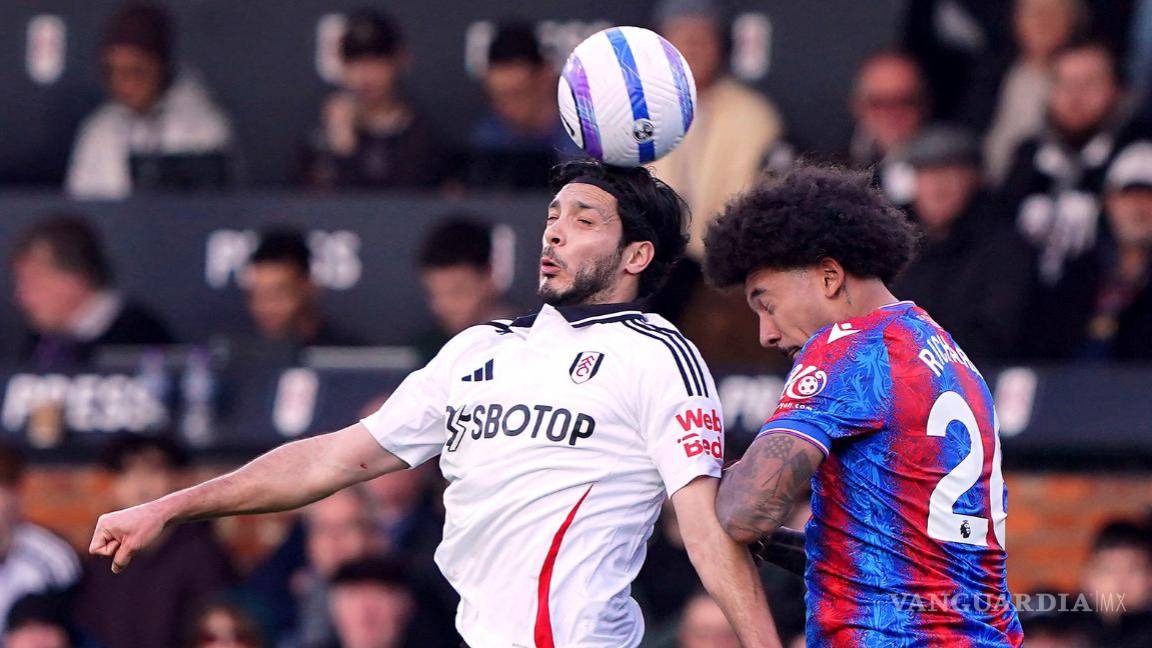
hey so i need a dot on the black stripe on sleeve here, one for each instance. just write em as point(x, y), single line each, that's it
point(690, 359)
point(671, 349)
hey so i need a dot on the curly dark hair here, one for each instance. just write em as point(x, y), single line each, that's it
point(812, 213)
point(649, 211)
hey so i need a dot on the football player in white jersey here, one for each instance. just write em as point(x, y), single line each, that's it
point(560, 434)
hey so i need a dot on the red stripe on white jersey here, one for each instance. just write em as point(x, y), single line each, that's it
point(543, 615)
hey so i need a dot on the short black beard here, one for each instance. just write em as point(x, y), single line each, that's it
point(591, 280)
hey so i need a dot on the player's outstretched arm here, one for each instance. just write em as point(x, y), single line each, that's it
point(725, 566)
point(757, 492)
point(287, 477)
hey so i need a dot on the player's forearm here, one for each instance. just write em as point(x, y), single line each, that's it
point(287, 477)
point(731, 578)
point(758, 492)
point(724, 565)
point(784, 548)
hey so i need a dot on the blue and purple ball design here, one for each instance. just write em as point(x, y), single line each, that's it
point(626, 96)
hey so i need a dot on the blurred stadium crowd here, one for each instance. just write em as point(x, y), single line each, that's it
point(1027, 163)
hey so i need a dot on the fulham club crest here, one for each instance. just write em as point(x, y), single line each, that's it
point(586, 364)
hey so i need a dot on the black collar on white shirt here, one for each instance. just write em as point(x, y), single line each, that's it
point(587, 314)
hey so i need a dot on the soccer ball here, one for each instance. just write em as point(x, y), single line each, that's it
point(626, 96)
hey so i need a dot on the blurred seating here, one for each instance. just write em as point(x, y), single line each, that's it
point(1059, 92)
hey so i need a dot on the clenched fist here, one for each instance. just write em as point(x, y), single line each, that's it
point(122, 533)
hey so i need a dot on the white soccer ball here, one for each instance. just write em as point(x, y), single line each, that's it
point(626, 96)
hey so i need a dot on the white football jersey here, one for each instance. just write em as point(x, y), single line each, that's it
point(560, 435)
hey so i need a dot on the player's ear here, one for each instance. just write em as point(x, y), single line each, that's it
point(831, 277)
point(637, 256)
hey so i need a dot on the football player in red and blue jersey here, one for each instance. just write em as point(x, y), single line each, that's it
point(883, 417)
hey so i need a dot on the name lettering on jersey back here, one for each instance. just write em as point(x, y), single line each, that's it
point(488, 421)
point(938, 353)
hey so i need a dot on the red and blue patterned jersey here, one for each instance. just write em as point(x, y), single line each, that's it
point(906, 541)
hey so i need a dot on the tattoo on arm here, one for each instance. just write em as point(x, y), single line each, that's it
point(757, 493)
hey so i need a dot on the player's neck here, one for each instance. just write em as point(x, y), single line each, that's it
point(861, 297)
point(619, 293)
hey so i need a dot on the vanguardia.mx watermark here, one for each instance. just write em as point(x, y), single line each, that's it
point(962, 602)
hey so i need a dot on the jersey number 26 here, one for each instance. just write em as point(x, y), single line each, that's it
point(943, 522)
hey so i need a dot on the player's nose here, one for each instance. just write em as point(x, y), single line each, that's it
point(553, 234)
point(769, 335)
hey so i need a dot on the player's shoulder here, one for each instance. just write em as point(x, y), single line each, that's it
point(860, 337)
point(653, 337)
point(485, 335)
point(660, 349)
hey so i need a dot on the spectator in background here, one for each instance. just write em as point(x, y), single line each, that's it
point(1041, 28)
point(1056, 178)
point(286, 309)
point(516, 144)
point(42, 621)
point(223, 624)
point(374, 606)
point(734, 128)
point(32, 559)
point(338, 529)
point(64, 290)
point(371, 136)
point(154, 603)
point(1118, 578)
point(158, 129)
point(455, 263)
point(703, 625)
point(890, 106)
point(283, 299)
point(972, 271)
point(1102, 305)
point(1121, 323)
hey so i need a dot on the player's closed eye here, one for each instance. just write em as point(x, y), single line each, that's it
point(586, 222)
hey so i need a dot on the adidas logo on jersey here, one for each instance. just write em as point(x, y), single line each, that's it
point(481, 374)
